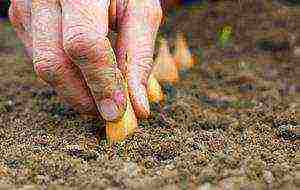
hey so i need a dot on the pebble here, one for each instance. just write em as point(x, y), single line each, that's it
point(158, 172)
point(207, 186)
point(131, 169)
point(10, 103)
point(3, 172)
point(43, 178)
point(226, 184)
point(268, 177)
point(297, 52)
point(248, 87)
point(289, 132)
point(170, 166)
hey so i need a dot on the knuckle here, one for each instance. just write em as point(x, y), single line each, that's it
point(46, 67)
point(81, 44)
point(155, 10)
point(145, 55)
point(72, 41)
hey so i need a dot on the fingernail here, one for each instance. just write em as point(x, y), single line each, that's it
point(109, 109)
point(113, 108)
point(119, 97)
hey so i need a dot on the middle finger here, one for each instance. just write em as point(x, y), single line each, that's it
point(85, 28)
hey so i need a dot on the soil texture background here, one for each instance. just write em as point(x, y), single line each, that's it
point(231, 122)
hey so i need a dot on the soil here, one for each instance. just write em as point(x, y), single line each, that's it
point(232, 122)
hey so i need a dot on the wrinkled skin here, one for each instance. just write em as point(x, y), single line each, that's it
point(66, 40)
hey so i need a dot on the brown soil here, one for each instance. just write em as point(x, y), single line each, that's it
point(232, 122)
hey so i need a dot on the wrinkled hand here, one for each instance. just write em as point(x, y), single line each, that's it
point(68, 45)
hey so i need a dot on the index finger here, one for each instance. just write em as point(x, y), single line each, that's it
point(50, 61)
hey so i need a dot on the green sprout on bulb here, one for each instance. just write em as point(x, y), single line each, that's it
point(225, 36)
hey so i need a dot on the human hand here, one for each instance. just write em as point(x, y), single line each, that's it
point(68, 45)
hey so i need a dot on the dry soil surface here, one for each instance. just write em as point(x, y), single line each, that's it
point(232, 122)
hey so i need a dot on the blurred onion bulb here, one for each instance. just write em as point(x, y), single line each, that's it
point(183, 57)
point(165, 69)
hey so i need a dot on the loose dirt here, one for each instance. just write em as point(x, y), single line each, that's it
point(232, 122)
